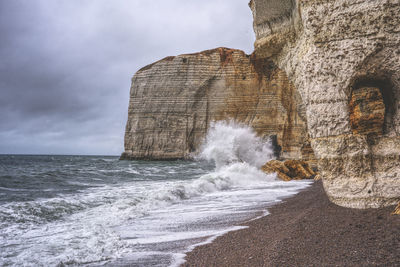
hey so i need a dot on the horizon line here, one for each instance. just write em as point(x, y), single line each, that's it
point(32, 154)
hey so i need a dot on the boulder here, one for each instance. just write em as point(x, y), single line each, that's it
point(396, 210)
point(317, 177)
point(289, 170)
point(278, 167)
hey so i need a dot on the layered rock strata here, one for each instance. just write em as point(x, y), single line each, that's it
point(289, 170)
point(397, 210)
point(173, 102)
point(344, 58)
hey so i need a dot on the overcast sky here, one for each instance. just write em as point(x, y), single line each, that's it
point(66, 65)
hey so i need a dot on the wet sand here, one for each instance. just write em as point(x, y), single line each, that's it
point(308, 230)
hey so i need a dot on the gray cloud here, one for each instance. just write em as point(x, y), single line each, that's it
point(66, 65)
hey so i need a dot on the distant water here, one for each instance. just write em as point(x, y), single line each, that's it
point(99, 211)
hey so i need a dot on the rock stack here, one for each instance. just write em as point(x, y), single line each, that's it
point(173, 101)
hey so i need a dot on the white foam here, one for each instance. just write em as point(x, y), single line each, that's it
point(179, 258)
point(142, 218)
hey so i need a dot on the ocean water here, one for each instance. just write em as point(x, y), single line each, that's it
point(100, 211)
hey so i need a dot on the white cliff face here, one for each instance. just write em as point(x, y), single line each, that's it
point(344, 58)
point(174, 101)
point(343, 61)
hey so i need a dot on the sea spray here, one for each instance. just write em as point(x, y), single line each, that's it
point(237, 152)
point(230, 142)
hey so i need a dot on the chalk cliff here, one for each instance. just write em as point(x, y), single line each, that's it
point(343, 56)
point(342, 96)
point(173, 101)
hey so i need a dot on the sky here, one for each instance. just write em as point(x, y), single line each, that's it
point(66, 65)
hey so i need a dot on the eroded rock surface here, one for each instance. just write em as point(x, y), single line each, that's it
point(343, 61)
point(173, 102)
point(367, 111)
point(289, 170)
point(397, 210)
point(344, 58)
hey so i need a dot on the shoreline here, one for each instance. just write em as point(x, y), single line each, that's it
point(307, 230)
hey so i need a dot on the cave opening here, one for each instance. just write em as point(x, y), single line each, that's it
point(371, 105)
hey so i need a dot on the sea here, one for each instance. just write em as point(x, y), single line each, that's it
point(101, 211)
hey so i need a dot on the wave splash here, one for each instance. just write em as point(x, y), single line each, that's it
point(236, 150)
point(238, 154)
point(229, 142)
point(113, 221)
